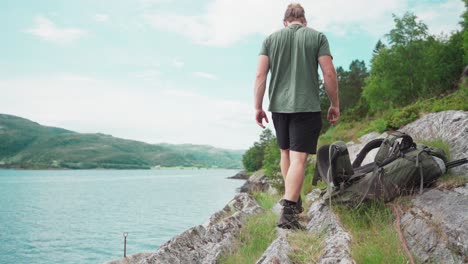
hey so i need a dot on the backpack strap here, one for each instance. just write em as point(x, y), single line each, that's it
point(456, 163)
point(391, 148)
point(373, 144)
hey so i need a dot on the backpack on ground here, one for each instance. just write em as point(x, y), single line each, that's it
point(400, 167)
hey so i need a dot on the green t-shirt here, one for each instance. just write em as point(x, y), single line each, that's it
point(293, 53)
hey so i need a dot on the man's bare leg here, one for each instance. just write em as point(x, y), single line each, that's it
point(295, 175)
point(284, 163)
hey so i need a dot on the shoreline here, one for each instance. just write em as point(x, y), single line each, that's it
point(111, 169)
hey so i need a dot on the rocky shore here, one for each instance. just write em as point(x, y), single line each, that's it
point(434, 224)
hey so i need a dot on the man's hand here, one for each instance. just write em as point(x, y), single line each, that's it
point(333, 114)
point(259, 116)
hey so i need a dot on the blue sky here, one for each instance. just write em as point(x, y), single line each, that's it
point(165, 70)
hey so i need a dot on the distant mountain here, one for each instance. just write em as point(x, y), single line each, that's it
point(29, 145)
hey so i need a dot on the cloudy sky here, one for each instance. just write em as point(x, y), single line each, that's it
point(165, 70)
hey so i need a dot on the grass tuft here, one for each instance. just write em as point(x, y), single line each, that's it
point(438, 143)
point(305, 247)
point(449, 181)
point(254, 239)
point(374, 237)
point(266, 200)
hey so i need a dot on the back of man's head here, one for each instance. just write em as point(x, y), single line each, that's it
point(295, 12)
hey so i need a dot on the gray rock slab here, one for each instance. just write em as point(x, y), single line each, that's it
point(323, 222)
point(278, 251)
point(436, 226)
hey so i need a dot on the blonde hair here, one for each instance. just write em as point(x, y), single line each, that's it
point(295, 12)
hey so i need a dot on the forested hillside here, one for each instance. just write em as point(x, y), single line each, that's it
point(26, 144)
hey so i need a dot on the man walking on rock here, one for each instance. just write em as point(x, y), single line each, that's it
point(292, 55)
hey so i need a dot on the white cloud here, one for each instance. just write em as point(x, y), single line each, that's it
point(47, 30)
point(225, 22)
point(205, 75)
point(170, 115)
point(150, 74)
point(178, 63)
point(101, 17)
point(443, 19)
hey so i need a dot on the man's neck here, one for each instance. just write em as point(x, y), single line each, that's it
point(294, 23)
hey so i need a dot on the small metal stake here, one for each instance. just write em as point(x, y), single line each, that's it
point(125, 234)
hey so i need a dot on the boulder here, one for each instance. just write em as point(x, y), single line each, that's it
point(436, 226)
point(258, 182)
point(241, 175)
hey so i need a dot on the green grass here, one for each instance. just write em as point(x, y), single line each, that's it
point(449, 181)
point(305, 247)
point(349, 128)
point(374, 237)
point(254, 239)
point(438, 143)
point(266, 200)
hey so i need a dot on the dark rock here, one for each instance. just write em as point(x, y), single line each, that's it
point(241, 175)
point(258, 182)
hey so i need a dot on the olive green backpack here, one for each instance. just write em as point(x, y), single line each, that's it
point(400, 167)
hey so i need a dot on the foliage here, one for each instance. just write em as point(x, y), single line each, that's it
point(351, 83)
point(253, 157)
point(415, 66)
point(394, 118)
point(25, 144)
point(464, 24)
point(271, 161)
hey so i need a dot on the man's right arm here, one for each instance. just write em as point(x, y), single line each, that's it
point(331, 87)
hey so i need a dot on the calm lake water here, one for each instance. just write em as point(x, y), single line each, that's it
point(79, 216)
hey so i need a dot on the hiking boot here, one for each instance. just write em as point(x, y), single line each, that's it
point(299, 207)
point(289, 218)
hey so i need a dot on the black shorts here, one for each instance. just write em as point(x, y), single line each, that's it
point(298, 131)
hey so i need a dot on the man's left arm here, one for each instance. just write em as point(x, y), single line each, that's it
point(259, 89)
